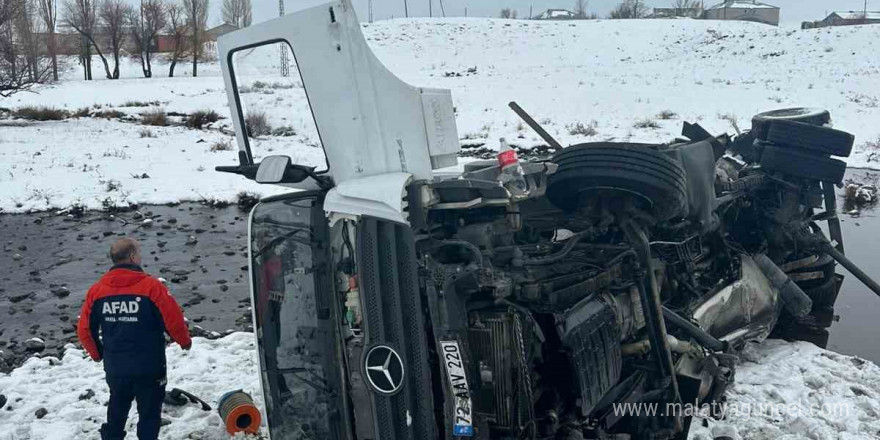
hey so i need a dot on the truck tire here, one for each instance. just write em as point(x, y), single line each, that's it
point(811, 137)
point(814, 116)
point(627, 168)
point(802, 164)
point(824, 295)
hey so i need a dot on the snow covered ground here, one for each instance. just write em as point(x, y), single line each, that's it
point(777, 386)
point(585, 81)
point(210, 369)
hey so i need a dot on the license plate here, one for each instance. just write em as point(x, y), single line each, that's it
point(463, 424)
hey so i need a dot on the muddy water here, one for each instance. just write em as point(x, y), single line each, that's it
point(859, 308)
point(48, 262)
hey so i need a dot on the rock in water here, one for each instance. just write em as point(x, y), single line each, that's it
point(87, 394)
point(61, 292)
point(35, 344)
point(2, 400)
point(40, 413)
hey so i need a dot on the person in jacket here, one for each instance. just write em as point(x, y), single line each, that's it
point(123, 322)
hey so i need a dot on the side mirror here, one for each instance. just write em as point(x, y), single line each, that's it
point(272, 169)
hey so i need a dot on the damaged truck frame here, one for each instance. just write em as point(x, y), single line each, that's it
point(394, 299)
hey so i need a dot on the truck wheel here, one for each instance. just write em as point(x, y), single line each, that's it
point(802, 164)
point(824, 295)
point(825, 264)
point(635, 169)
point(811, 137)
point(814, 116)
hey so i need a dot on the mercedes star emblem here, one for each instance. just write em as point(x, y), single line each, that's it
point(384, 369)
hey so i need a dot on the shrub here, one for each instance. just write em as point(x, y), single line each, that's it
point(108, 114)
point(223, 145)
point(579, 129)
point(81, 113)
point(155, 117)
point(284, 130)
point(40, 113)
point(647, 123)
point(146, 133)
point(667, 114)
point(201, 118)
point(246, 200)
point(257, 124)
point(140, 103)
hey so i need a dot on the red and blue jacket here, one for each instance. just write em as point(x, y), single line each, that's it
point(124, 320)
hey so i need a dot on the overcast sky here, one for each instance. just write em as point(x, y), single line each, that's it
point(793, 11)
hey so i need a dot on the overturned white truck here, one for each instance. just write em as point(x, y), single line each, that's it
point(394, 301)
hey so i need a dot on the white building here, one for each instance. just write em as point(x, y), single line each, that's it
point(745, 10)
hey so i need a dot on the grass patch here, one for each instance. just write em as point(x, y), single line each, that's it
point(223, 145)
point(267, 87)
point(284, 130)
point(579, 129)
point(40, 113)
point(146, 133)
point(83, 112)
point(141, 103)
point(257, 124)
point(667, 115)
point(155, 118)
point(647, 123)
point(108, 114)
point(201, 118)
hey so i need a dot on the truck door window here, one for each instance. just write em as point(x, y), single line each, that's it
point(273, 107)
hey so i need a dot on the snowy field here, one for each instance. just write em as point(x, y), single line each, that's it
point(585, 81)
point(614, 78)
point(777, 386)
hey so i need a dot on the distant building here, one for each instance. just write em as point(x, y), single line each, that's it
point(217, 31)
point(744, 10)
point(849, 18)
point(556, 14)
point(677, 12)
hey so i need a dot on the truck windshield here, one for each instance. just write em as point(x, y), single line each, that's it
point(273, 107)
point(294, 320)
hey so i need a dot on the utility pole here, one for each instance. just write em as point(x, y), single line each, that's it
point(370, 6)
point(530, 12)
point(442, 10)
point(430, 8)
point(285, 65)
point(405, 9)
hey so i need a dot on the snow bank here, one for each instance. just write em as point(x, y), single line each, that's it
point(585, 80)
point(208, 370)
point(796, 377)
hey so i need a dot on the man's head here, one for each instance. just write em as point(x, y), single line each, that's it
point(126, 250)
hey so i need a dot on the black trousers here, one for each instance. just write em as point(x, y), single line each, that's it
point(148, 391)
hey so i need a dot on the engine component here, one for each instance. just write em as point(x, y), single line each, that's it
point(794, 299)
point(591, 334)
point(501, 349)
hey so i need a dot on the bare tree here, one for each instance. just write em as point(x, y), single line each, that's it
point(508, 13)
point(238, 12)
point(113, 15)
point(629, 9)
point(146, 22)
point(21, 63)
point(82, 16)
point(580, 9)
point(197, 19)
point(177, 29)
point(49, 14)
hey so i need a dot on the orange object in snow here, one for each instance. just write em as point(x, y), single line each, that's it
point(238, 412)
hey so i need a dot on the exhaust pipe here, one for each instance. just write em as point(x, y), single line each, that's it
point(793, 298)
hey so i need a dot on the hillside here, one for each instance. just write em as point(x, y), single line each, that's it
point(585, 81)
